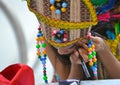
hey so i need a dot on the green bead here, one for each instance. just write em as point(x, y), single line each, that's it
point(90, 56)
point(44, 74)
point(43, 45)
point(45, 55)
point(54, 38)
point(37, 46)
point(45, 77)
point(39, 56)
point(40, 31)
point(93, 53)
point(95, 63)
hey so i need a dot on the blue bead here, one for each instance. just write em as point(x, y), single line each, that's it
point(44, 59)
point(64, 5)
point(95, 74)
point(89, 45)
point(57, 77)
point(38, 35)
point(95, 65)
point(41, 59)
point(61, 31)
point(46, 81)
point(44, 68)
point(43, 62)
point(94, 68)
point(58, 11)
point(59, 41)
point(52, 1)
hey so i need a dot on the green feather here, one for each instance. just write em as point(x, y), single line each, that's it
point(117, 28)
point(99, 2)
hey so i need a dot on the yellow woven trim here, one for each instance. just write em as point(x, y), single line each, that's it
point(113, 46)
point(62, 44)
point(67, 25)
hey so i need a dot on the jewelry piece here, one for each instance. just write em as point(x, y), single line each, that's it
point(59, 36)
point(66, 24)
point(58, 6)
point(41, 52)
point(92, 57)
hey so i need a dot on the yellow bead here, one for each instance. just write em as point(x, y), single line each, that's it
point(93, 46)
point(44, 52)
point(91, 63)
point(41, 38)
point(37, 39)
point(90, 49)
point(63, 9)
point(58, 0)
point(38, 53)
point(52, 8)
point(94, 59)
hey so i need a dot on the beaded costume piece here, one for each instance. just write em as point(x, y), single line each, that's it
point(64, 22)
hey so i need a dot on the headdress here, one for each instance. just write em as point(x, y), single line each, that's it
point(64, 22)
point(64, 27)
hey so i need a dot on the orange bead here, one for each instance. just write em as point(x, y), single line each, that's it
point(41, 38)
point(44, 52)
point(89, 49)
point(94, 59)
point(38, 53)
point(93, 46)
point(91, 63)
point(58, 0)
point(37, 39)
point(52, 8)
point(63, 9)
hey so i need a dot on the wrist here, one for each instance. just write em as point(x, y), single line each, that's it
point(105, 48)
point(75, 71)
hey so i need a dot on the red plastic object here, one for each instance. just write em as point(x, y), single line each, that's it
point(17, 74)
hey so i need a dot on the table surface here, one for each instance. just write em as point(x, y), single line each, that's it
point(95, 82)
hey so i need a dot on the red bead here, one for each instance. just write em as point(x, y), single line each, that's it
point(65, 35)
point(39, 28)
point(44, 71)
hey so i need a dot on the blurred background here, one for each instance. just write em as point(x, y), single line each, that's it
point(18, 29)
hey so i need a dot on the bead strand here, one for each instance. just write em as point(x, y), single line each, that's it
point(41, 52)
point(92, 57)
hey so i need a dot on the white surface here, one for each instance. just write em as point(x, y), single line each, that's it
point(95, 82)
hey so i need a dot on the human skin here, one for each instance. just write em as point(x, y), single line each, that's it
point(111, 64)
point(74, 72)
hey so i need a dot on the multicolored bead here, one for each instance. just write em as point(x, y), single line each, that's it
point(41, 53)
point(59, 36)
point(92, 57)
point(58, 6)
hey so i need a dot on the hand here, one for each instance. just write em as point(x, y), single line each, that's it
point(74, 58)
point(83, 50)
point(97, 41)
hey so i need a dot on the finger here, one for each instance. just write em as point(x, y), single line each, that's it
point(81, 44)
point(84, 40)
point(85, 46)
point(74, 58)
point(94, 39)
point(84, 54)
